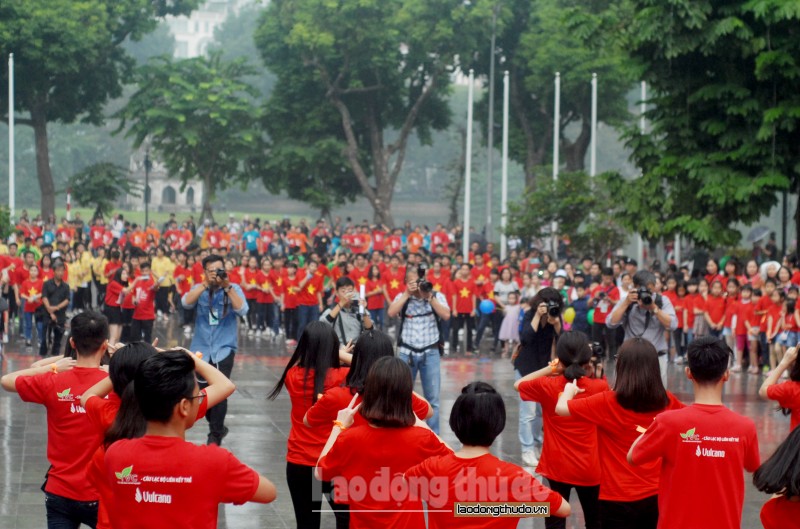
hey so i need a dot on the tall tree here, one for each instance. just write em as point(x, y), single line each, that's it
point(724, 116)
point(378, 67)
point(538, 38)
point(69, 61)
point(100, 185)
point(201, 120)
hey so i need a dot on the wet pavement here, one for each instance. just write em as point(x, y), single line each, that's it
point(259, 429)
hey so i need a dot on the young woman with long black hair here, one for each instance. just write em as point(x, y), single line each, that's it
point(780, 476)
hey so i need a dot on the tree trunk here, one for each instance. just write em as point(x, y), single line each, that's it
point(458, 179)
point(46, 186)
point(575, 152)
point(383, 209)
point(208, 196)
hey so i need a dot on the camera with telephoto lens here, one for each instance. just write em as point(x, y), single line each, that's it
point(645, 296)
point(553, 309)
point(425, 286)
point(222, 275)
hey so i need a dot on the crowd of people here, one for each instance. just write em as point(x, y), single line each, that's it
point(362, 309)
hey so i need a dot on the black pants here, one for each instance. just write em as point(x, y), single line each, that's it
point(607, 337)
point(127, 319)
point(57, 330)
point(589, 503)
point(290, 320)
point(101, 293)
point(64, 513)
point(459, 321)
point(142, 330)
point(252, 313)
point(83, 298)
point(640, 514)
point(216, 415)
point(307, 493)
point(162, 299)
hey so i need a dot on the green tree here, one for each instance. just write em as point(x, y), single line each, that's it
point(100, 185)
point(69, 61)
point(200, 118)
point(723, 138)
point(593, 231)
point(536, 39)
point(358, 71)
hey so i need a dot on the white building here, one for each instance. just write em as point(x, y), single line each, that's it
point(194, 33)
point(165, 194)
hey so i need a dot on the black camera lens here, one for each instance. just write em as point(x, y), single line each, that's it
point(553, 309)
point(645, 296)
point(222, 275)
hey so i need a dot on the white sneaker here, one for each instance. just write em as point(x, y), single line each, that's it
point(258, 334)
point(187, 329)
point(250, 332)
point(529, 459)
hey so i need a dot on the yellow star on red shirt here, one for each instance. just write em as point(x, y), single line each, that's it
point(32, 292)
point(265, 284)
point(252, 281)
point(279, 281)
point(311, 289)
point(437, 287)
point(464, 292)
point(394, 283)
point(481, 278)
point(190, 280)
point(362, 280)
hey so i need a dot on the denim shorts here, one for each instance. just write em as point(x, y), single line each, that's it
point(787, 338)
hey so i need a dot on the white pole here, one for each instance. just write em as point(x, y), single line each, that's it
point(593, 155)
point(642, 128)
point(11, 168)
point(490, 135)
point(69, 203)
point(556, 138)
point(468, 168)
point(678, 251)
point(504, 174)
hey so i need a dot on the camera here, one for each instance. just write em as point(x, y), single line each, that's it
point(222, 275)
point(425, 286)
point(645, 296)
point(602, 295)
point(597, 349)
point(553, 309)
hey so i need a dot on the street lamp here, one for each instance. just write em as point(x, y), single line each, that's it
point(147, 166)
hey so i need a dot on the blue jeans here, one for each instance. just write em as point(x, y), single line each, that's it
point(64, 513)
point(305, 315)
point(377, 317)
point(427, 364)
point(530, 421)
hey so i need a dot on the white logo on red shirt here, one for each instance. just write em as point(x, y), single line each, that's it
point(152, 497)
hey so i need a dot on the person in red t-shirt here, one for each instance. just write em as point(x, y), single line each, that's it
point(715, 309)
point(31, 291)
point(144, 300)
point(603, 298)
point(191, 481)
point(464, 302)
point(567, 435)
point(309, 297)
point(266, 321)
point(477, 418)
point(787, 394)
point(313, 369)
point(393, 441)
point(58, 383)
point(778, 476)
point(628, 494)
point(731, 308)
point(703, 449)
point(745, 312)
point(251, 289)
point(774, 325)
point(375, 291)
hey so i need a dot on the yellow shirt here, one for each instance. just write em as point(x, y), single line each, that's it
point(99, 269)
point(74, 271)
point(163, 267)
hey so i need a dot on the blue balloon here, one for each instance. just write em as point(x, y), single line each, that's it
point(487, 306)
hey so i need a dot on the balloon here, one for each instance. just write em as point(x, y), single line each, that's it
point(590, 317)
point(487, 306)
point(569, 315)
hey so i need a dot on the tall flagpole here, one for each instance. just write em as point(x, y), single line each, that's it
point(468, 169)
point(556, 138)
point(11, 168)
point(642, 129)
point(504, 174)
point(593, 155)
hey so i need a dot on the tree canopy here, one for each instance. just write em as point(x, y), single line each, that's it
point(100, 185)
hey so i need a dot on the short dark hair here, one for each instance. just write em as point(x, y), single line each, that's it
point(161, 382)
point(387, 394)
point(639, 387)
point(780, 474)
point(343, 282)
point(642, 278)
point(126, 361)
point(88, 331)
point(573, 352)
point(211, 258)
point(371, 346)
point(607, 271)
point(708, 359)
point(478, 415)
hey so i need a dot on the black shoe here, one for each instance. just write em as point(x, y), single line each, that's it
point(214, 439)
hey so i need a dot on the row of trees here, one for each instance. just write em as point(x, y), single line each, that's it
point(351, 82)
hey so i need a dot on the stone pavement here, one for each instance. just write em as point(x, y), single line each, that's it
point(259, 429)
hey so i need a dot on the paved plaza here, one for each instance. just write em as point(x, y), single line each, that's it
point(259, 429)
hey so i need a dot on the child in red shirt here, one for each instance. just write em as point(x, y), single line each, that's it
point(31, 291)
point(144, 300)
point(778, 476)
point(196, 479)
point(715, 310)
point(567, 435)
point(477, 418)
point(775, 323)
point(703, 449)
point(745, 312)
point(788, 393)
point(464, 302)
point(58, 383)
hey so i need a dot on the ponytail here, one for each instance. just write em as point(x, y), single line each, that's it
point(573, 352)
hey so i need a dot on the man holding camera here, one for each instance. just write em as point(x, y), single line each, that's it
point(646, 314)
point(218, 302)
point(347, 316)
point(604, 297)
point(418, 339)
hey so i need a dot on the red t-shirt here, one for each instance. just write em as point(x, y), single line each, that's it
point(464, 291)
point(414, 242)
point(781, 513)
point(506, 483)
point(326, 409)
point(376, 301)
point(378, 240)
point(250, 278)
point(67, 426)
point(395, 282)
point(145, 295)
point(309, 296)
point(305, 444)
point(788, 396)
point(480, 275)
point(377, 456)
point(264, 281)
point(359, 276)
point(290, 291)
point(715, 307)
point(745, 312)
point(439, 238)
point(773, 318)
point(441, 283)
point(277, 279)
point(731, 307)
point(566, 435)
point(30, 289)
point(96, 234)
point(113, 291)
point(167, 483)
point(184, 285)
point(703, 449)
point(616, 432)
point(603, 307)
point(395, 243)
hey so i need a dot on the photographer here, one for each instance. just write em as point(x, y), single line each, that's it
point(645, 314)
point(419, 337)
point(541, 327)
point(218, 302)
point(346, 317)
